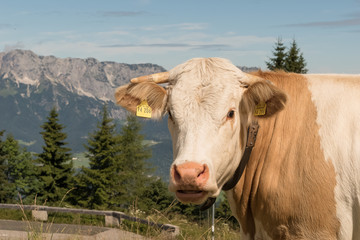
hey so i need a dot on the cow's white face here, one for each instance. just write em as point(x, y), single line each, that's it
point(210, 103)
point(204, 122)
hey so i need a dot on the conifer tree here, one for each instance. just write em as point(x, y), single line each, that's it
point(95, 185)
point(5, 187)
point(21, 172)
point(155, 196)
point(294, 61)
point(278, 61)
point(134, 172)
point(117, 174)
point(56, 167)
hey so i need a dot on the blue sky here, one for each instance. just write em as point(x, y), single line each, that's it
point(167, 32)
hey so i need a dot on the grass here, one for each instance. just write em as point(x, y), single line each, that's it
point(13, 214)
point(27, 144)
point(149, 143)
point(8, 92)
point(80, 219)
point(189, 230)
point(202, 230)
point(80, 160)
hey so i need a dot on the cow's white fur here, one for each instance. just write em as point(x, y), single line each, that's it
point(337, 98)
point(195, 128)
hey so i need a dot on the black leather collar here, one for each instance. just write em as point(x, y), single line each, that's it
point(251, 139)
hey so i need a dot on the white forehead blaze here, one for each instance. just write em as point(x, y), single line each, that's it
point(210, 103)
point(204, 86)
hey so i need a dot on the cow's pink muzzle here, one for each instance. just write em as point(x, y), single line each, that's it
point(189, 180)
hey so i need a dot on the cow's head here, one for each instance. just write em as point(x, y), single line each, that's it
point(210, 103)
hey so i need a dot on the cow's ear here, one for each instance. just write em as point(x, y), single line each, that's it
point(263, 91)
point(131, 95)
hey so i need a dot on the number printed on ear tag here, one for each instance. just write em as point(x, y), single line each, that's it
point(143, 110)
point(260, 109)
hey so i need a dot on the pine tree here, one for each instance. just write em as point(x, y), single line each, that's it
point(95, 185)
point(5, 186)
point(155, 196)
point(294, 61)
point(21, 172)
point(278, 61)
point(134, 172)
point(117, 174)
point(56, 167)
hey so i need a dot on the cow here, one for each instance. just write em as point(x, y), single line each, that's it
point(302, 179)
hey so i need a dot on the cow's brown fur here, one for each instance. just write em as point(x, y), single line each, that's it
point(288, 186)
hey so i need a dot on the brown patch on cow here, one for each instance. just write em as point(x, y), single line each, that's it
point(288, 185)
point(131, 95)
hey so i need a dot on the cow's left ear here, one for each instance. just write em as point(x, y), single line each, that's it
point(131, 95)
point(263, 91)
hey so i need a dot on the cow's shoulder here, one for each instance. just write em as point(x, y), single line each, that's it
point(288, 175)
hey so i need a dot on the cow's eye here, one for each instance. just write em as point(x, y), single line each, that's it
point(230, 114)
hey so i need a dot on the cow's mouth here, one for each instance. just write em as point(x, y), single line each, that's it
point(191, 196)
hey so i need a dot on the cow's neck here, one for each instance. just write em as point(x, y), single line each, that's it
point(287, 174)
point(251, 138)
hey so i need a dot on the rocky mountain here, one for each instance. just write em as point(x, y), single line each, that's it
point(30, 85)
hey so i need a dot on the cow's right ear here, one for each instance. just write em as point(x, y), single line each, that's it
point(131, 95)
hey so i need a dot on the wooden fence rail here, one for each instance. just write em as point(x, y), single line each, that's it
point(112, 218)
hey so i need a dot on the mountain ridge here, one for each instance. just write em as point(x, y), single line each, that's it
point(86, 76)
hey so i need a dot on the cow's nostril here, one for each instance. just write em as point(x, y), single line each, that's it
point(176, 174)
point(202, 171)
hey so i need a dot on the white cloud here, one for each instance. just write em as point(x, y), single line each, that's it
point(113, 33)
point(59, 33)
point(192, 26)
point(122, 13)
point(9, 47)
point(242, 41)
point(174, 27)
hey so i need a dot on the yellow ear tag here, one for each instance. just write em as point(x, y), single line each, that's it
point(260, 109)
point(143, 110)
